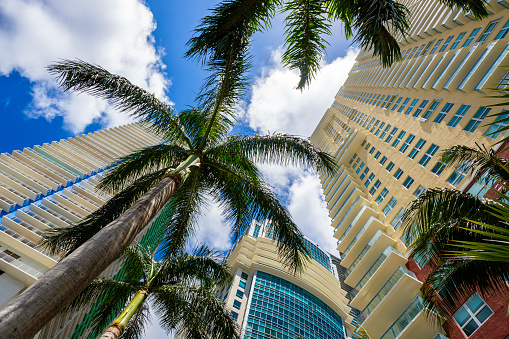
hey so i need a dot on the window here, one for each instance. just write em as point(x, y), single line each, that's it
point(372, 150)
point(410, 56)
point(396, 104)
point(477, 119)
point(420, 190)
point(436, 46)
point(408, 182)
point(386, 106)
point(244, 276)
point(458, 175)
point(417, 148)
point(367, 146)
point(504, 82)
point(446, 43)
point(363, 143)
point(420, 108)
point(398, 174)
point(383, 160)
point(431, 108)
point(391, 135)
point(363, 175)
point(360, 168)
point(407, 143)
point(390, 166)
point(380, 101)
point(472, 314)
point(240, 294)
point(377, 155)
point(374, 101)
point(382, 196)
point(236, 304)
point(427, 47)
point(487, 31)
point(235, 315)
point(242, 284)
point(390, 206)
point(503, 31)
point(403, 105)
point(398, 219)
point(443, 112)
point(411, 107)
point(459, 114)
point(384, 133)
point(371, 122)
point(369, 180)
point(496, 127)
point(398, 139)
point(356, 163)
point(471, 37)
point(429, 153)
point(374, 126)
point(353, 158)
point(419, 51)
point(438, 168)
point(458, 39)
point(375, 187)
point(379, 128)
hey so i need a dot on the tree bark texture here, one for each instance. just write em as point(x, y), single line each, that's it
point(27, 314)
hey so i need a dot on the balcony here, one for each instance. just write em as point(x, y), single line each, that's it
point(360, 240)
point(350, 215)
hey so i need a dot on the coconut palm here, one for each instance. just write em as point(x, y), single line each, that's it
point(197, 156)
point(178, 288)
point(443, 223)
point(371, 23)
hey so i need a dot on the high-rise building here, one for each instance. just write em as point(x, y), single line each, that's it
point(386, 129)
point(53, 186)
point(267, 301)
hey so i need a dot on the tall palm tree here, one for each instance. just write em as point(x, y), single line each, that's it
point(443, 224)
point(371, 23)
point(198, 158)
point(178, 288)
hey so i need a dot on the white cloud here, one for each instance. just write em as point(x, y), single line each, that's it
point(276, 105)
point(212, 230)
point(116, 34)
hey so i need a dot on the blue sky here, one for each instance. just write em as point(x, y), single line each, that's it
point(146, 41)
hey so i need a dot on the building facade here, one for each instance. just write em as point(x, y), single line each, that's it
point(269, 302)
point(386, 129)
point(53, 186)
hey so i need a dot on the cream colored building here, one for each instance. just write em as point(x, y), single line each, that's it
point(386, 129)
point(53, 186)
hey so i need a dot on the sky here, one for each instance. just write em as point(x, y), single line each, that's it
point(145, 41)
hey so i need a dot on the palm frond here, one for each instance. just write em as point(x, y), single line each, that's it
point(477, 8)
point(70, 238)
point(195, 122)
point(139, 163)
point(305, 26)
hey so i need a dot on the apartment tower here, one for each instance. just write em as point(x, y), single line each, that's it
point(53, 186)
point(386, 129)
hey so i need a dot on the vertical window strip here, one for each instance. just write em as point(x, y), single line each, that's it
point(417, 148)
point(431, 109)
point(398, 139)
point(500, 122)
point(491, 70)
point(471, 37)
point(396, 104)
point(446, 43)
point(407, 143)
point(428, 155)
point(402, 107)
point(390, 206)
point(382, 196)
point(384, 133)
point(420, 108)
point(477, 119)
point(458, 39)
point(437, 45)
point(458, 116)
point(391, 135)
point(503, 31)
point(443, 112)
point(487, 31)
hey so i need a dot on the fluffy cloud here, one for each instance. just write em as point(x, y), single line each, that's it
point(116, 34)
point(276, 105)
point(212, 230)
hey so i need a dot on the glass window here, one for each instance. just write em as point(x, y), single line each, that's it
point(402, 107)
point(427, 47)
point(410, 56)
point(458, 116)
point(458, 39)
point(374, 101)
point(417, 148)
point(374, 126)
point(446, 43)
point(372, 150)
point(420, 190)
point(390, 206)
point(369, 180)
point(436, 46)
point(235, 315)
point(367, 146)
point(477, 119)
point(382, 196)
point(408, 182)
point(411, 107)
point(391, 135)
point(379, 102)
point(504, 82)
point(356, 163)
point(496, 127)
point(392, 97)
point(438, 168)
point(353, 158)
point(407, 143)
point(379, 128)
point(360, 168)
point(236, 304)
point(429, 154)
point(363, 175)
point(457, 176)
point(240, 294)
point(398, 139)
point(419, 51)
point(398, 219)
point(375, 187)
point(396, 104)
point(377, 155)
point(503, 31)
point(383, 160)
point(492, 69)
point(420, 108)
point(472, 314)
point(242, 284)
point(398, 173)
point(471, 37)
point(487, 31)
point(390, 166)
point(370, 123)
point(244, 274)
point(431, 109)
point(384, 133)
point(443, 112)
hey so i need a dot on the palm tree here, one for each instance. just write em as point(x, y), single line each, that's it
point(179, 289)
point(372, 24)
point(443, 224)
point(198, 158)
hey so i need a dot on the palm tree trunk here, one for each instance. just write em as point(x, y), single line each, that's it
point(25, 315)
point(118, 325)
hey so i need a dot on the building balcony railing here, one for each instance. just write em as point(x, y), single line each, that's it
point(404, 319)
